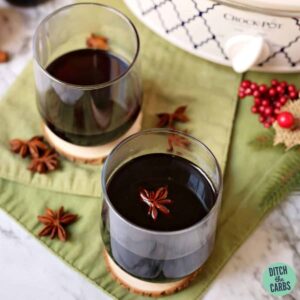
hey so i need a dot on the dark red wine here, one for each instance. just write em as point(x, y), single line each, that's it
point(190, 191)
point(26, 2)
point(193, 197)
point(87, 67)
point(90, 115)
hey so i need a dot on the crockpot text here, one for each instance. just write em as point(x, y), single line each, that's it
point(252, 22)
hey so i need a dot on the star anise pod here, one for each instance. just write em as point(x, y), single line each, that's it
point(19, 146)
point(45, 163)
point(97, 42)
point(168, 119)
point(34, 146)
point(156, 200)
point(54, 222)
point(37, 146)
point(177, 140)
point(4, 57)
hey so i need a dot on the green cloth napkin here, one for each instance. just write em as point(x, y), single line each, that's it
point(171, 78)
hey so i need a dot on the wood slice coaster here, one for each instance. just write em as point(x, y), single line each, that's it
point(82, 154)
point(146, 288)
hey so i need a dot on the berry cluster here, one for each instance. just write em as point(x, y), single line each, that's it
point(268, 99)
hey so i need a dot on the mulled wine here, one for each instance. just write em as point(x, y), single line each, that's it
point(90, 102)
point(26, 2)
point(166, 194)
point(189, 190)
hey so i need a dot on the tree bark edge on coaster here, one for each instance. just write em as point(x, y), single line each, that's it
point(150, 289)
point(88, 155)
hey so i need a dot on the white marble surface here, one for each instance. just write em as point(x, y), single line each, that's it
point(28, 271)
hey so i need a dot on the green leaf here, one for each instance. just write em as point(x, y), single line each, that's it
point(285, 181)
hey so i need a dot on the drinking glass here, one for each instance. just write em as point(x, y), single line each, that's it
point(173, 254)
point(87, 114)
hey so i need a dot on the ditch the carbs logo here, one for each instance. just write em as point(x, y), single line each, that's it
point(279, 279)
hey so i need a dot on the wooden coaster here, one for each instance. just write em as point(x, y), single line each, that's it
point(89, 155)
point(146, 288)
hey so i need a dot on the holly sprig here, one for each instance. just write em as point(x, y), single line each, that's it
point(274, 105)
point(268, 100)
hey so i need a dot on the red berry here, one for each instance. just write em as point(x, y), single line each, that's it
point(242, 95)
point(272, 119)
point(254, 86)
point(285, 119)
point(254, 109)
point(256, 93)
point(280, 90)
point(267, 124)
point(261, 119)
point(293, 95)
point(278, 104)
point(268, 111)
point(261, 109)
point(248, 91)
point(291, 88)
point(272, 92)
point(282, 100)
point(246, 83)
point(274, 82)
point(283, 84)
point(263, 88)
point(265, 102)
point(257, 101)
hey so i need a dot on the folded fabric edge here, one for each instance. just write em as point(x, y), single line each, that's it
point(52, 189)
point(223, 163)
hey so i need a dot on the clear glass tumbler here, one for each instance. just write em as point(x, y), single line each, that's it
point(86, 96)
point(152, 255)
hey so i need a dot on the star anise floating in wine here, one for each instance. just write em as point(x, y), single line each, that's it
point(43, 157)
point(156, 201)
point(96, 41)
point(55, 223)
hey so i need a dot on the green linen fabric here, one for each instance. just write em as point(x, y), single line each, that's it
point(171, 77)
